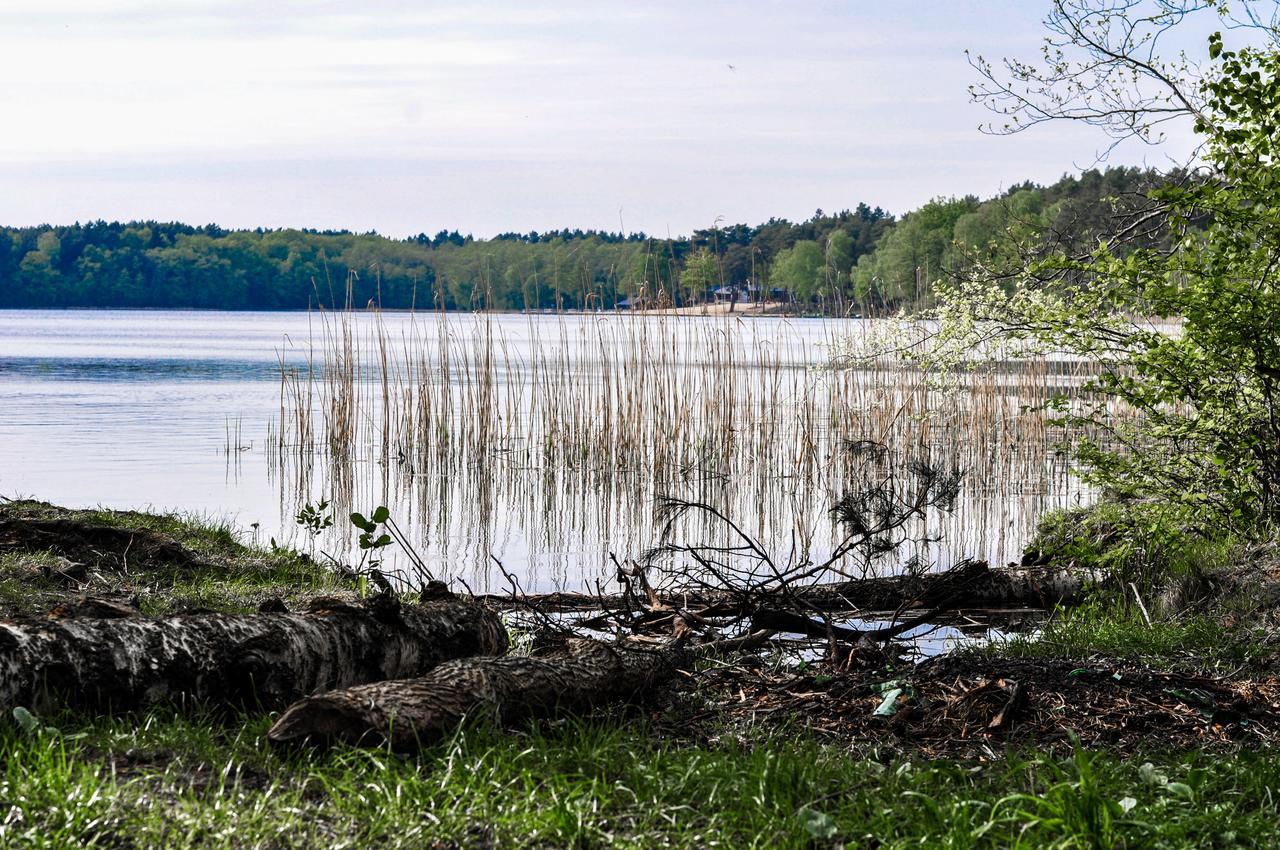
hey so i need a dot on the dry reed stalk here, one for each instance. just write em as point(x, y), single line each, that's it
point(631, 405)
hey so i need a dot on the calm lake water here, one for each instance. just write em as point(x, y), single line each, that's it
point(182, 411)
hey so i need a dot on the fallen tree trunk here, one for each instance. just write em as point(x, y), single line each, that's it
point(266, 660)
point(781, 620)
point(973, 584)
point(407, 714)
point(970, 585)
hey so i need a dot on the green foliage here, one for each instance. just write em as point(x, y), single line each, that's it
point(701, 273)
point(315, 518)
point(1205, 445)
point(155, 264)
point(911, 256)
point(802, 269)
point(1130, 541)
point(377, 532)
point(369, 537)
point(838, 253)
point(830, 258)
point(950, 241)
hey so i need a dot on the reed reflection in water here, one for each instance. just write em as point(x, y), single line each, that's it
point(546, 441)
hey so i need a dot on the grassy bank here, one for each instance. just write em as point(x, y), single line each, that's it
point(69, 554)
point(748, 772)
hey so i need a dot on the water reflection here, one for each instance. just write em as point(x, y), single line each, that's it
point(185, 411)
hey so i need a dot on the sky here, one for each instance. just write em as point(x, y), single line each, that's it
point(407, 117)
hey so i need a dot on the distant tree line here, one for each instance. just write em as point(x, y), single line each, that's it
point(854, 260)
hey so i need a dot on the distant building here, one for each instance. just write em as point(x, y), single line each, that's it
point(634, 302)
point(747, 293)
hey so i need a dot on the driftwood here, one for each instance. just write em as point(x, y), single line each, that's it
point(115, 661)
point(970, 585)
point(409, 713)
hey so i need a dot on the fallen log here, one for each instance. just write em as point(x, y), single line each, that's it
point(781, 620)
point(972, 584)
point(266, 660)
point(409, 713)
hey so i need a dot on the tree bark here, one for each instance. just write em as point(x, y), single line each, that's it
point(781, 620)
point(265, 660)
point(407, 714)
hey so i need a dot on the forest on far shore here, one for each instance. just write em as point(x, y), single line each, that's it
point(862, 259)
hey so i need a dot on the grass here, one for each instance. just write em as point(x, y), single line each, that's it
point(285, 577)
point(166, 780)
point(209, 536)
point(1117, 630)
point(236, 577)
point(26, 588)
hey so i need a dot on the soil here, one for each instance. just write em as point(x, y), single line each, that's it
point(968, 706)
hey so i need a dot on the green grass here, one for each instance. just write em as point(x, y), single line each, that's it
point(166, 781)
point(238, 576)
point(238, 584)
point(244, 586)
point(1116, 630)
point(210, 536)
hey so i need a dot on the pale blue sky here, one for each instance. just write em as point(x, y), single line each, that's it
point(415, 116)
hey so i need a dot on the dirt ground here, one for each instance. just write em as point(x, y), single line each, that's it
point(970, 706)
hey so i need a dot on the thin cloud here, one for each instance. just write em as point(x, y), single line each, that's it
point(404, 116)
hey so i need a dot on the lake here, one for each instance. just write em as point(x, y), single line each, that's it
point(559, 466)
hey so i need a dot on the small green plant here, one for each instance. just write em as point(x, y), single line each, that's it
point(315, 518)
point(26, 721)
point(1077, 810)
point(820, 826)
point(377, 532)
point(369, 528)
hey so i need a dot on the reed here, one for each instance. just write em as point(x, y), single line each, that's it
point(502, 421)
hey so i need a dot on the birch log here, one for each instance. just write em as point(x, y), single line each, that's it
point(265, 660)
point(409, 713)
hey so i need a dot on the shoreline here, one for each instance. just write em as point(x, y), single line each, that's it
point(765, 309)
